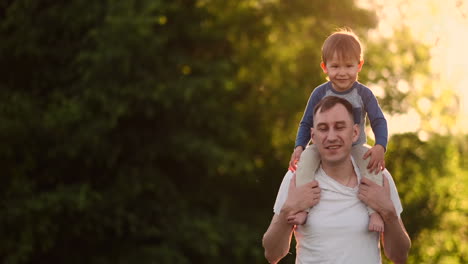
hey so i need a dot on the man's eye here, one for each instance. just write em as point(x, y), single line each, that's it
point(340, 127)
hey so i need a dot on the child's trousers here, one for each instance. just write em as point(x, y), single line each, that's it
point(310, 162)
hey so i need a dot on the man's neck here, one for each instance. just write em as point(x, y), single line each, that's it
point(340, 171)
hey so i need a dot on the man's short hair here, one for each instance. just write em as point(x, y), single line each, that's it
point(330, 101)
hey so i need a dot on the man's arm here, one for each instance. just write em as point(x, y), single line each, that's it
point(277, 238)
point(395, 239)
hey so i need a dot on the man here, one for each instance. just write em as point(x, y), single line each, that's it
point(336, 227)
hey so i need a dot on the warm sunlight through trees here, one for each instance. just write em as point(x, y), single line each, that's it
point(443, 27)
point(158, 131)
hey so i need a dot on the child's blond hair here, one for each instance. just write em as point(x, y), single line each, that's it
point(344, 43)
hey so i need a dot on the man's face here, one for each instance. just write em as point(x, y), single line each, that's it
point(334, 133)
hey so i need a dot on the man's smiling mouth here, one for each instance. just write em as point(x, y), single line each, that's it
point(333, 147)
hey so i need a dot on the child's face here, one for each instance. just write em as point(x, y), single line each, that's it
point(342, 72)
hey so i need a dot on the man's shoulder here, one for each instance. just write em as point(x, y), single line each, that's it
point(287, 178)
point(389, 176)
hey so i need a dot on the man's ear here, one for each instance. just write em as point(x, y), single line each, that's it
point(312, 134)
point(324, 67)
point(356, 132)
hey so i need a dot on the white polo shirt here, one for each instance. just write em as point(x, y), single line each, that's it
point(336, 230)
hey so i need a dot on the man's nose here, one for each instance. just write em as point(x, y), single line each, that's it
point(331, 136)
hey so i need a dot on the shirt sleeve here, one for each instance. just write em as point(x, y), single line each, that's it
point(307, 121)
point(394, 193)
point(377, 119)
point(282, 192)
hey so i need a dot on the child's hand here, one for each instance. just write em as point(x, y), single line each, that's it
point(295, 158)
point(377, 161)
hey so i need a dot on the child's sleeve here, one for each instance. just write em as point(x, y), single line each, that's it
point(377, 119)
point(307, 122)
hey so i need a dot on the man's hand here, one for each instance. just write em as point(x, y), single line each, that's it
point(296, 155)
point(301, 198)
point(396, 242)
point(377, 161)
point(377, 197)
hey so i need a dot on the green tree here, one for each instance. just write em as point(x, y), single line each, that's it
point(433, 187)
point(131, 128)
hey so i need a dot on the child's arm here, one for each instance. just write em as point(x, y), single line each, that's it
point(296, 155)
point(377, 161)
point(379, 127)
point(303, 133)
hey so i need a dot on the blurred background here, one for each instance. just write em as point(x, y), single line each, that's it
point(158, 131)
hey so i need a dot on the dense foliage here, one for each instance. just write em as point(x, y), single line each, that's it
point(157, 131)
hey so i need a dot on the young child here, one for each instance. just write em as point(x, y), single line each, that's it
point(342, 61)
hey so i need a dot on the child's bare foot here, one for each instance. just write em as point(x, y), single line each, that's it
point(376, 223)
point(297, 219)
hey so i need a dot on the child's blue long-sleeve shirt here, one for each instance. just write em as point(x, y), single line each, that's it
point(363, 101)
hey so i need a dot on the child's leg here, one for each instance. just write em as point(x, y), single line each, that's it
point(358, 152)
point(305, 172)
point(307, 165)
point(298, 219)
point(375, 222)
